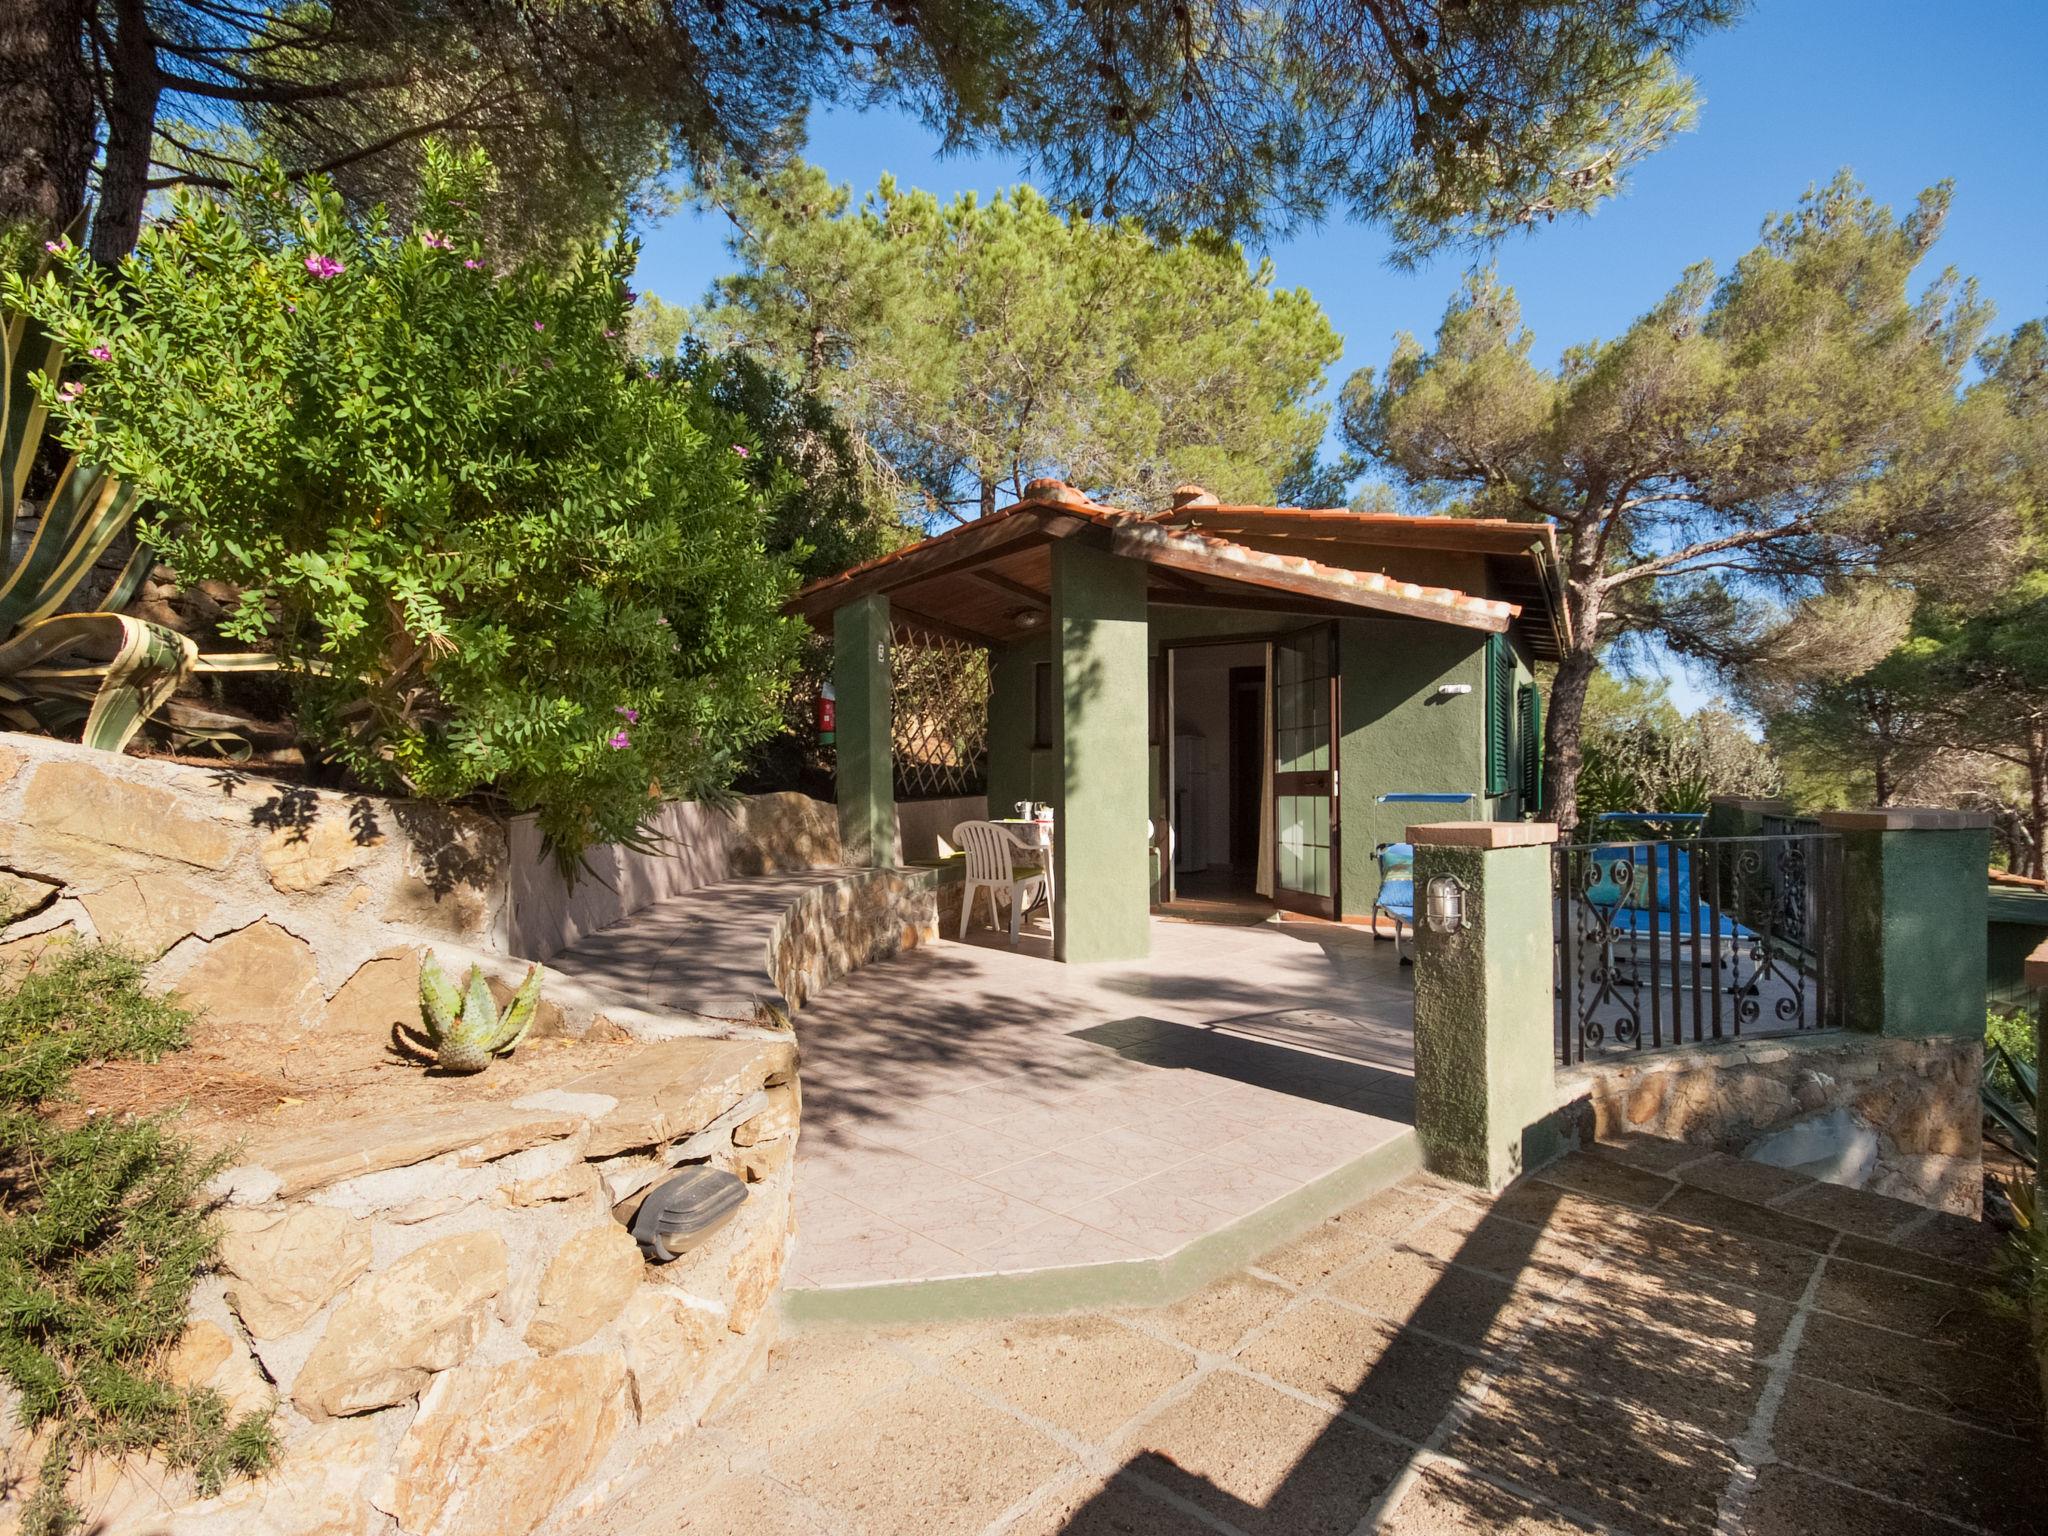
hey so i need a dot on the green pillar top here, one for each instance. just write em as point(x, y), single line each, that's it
point(1484, 834)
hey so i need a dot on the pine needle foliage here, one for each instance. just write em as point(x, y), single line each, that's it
point(103, 1229)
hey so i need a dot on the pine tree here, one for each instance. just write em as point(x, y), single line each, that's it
point(1750, 439)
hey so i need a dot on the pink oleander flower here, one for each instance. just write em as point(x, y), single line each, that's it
point(540, 325)
point(628, 295)
point(619, 741)
point(324, 267)
point(740, 449)
point(71, 391)
point(472, 263)
point(632, 715)
point(609, 335)
point(54, 247)
point(434, 240)
point(662, 620)
point(101, 353)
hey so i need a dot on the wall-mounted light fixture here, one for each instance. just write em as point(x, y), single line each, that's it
point(1452, 690)
point(1446, 904)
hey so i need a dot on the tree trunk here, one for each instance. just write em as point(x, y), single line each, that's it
point(1561, 746)
point(46, 103)
point(2037, 799)
point(134, 90)
point(988, 498)
point(1562, 751)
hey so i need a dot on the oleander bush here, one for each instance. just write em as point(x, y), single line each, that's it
point(491, 551)
point(103, 1228)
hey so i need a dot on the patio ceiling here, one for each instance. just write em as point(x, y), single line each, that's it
point(989, 581)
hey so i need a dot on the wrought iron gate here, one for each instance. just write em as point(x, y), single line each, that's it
point(1674, 942)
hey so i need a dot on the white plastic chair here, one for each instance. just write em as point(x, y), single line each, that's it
point(992, 864)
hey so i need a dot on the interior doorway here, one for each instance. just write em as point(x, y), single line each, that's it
point(1218, 769)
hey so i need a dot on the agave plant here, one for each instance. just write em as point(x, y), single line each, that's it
point(2012, 1102)
point(119, 668)
point(58, 663)
point(466, 1029)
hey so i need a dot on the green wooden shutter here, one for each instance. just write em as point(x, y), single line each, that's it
point(1500, 702)
point(1532, 749)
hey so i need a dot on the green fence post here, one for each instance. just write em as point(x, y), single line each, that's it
point(866, 784)
point(1102, 869)
point(1914, 910)
point(1485, 1051)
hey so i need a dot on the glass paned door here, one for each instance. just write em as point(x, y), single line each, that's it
point(1305, 736)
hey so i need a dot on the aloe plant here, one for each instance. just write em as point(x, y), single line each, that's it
point(466, 1029)
point(57, 667)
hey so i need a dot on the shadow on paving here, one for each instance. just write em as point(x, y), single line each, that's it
point(957, 1015)
point(1302, 1073)
point(1565, 1359)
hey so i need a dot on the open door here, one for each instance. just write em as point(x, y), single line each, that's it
point(1305, 737)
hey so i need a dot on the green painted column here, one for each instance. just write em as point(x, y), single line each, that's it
point(1485, 1050)
point(1102, 906)
point(867, 775)
point(1915, 904)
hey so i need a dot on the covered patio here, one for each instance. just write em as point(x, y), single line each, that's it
point(1244, 698)
point(973, 1111)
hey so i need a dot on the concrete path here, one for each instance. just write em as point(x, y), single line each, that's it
point(1644, 1340)
point(973, 1110)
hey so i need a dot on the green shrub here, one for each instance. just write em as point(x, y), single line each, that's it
point(488, 547)
point(103, 1231)
point(2014, 1032)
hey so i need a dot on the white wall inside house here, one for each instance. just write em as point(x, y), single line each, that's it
point(1201, 750)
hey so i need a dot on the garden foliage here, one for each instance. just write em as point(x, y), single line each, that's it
point(102, 1232)
point(488, 547)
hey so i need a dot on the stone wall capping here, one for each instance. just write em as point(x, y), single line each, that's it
point(1906, 818)
point(1484, 834)
point(1767, 806)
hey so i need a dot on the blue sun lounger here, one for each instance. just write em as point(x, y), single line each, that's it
point(1396, 895)
point(1632, 887)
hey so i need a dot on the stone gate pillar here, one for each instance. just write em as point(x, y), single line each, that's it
point(1485, 1049)
point(1915, 898)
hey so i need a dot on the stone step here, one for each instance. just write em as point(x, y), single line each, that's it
point(1675, 1178)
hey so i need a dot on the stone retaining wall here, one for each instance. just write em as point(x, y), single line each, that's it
point(1897, 1117)
point(864, 917)
point(458, 1332)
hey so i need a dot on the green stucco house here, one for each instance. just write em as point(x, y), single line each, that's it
point(1215, 698)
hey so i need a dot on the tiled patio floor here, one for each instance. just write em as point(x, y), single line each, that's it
point(1648, 1342)
point(972, 1110)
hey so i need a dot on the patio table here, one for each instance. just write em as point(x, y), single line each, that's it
point(1036, 836)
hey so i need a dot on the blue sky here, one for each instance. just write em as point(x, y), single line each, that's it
point(1904, 94)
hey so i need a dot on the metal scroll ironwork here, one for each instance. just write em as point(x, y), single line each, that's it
point(1663, 943)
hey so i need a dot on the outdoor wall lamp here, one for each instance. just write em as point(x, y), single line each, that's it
point(1446, 904)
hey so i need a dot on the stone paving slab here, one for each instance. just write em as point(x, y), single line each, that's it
point(1352, 1381)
